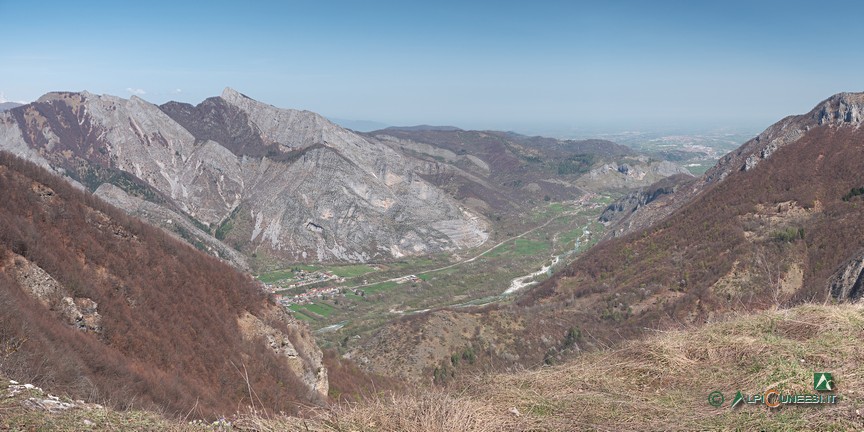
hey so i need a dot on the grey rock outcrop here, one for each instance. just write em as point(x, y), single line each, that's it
point(646, 206)
point(301, 354)
point(171, 221)
point(848, 281)
point(79, 312)
point(641, 197)
point(630, 175)
point(37, 282)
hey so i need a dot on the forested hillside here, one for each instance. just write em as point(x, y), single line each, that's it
point(98, 305)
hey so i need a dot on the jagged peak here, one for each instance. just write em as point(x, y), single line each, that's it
point(231, 95)
point(137, 99)
point(847, 97)
point(842, 108)
point(84, 95)
point(58, 95)
point(839, 110)
point(246, 103)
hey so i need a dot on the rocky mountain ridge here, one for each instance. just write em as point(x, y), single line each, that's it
point(839, 111)
point(5, 106)
point(259, 185)
point(281, 185)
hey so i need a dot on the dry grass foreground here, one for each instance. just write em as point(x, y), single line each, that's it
point(659, 383)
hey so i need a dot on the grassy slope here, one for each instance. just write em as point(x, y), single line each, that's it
point(658, 383)
point(663, 382)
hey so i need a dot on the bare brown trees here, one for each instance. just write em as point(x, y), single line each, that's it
point(169, 312)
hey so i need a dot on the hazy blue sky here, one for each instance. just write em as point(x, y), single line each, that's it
point(497, 64)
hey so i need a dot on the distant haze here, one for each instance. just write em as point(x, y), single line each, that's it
point(480, 65)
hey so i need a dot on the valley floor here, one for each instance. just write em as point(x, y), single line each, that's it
point(659, 383)
point(359, 299)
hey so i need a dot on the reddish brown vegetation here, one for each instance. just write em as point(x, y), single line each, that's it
point(350, 383)
point(775, 234)
point(170, 338)
point(684, 255)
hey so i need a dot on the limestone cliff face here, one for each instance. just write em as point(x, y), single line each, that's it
point(629, 175)
point(172, 221)
point(639, 198)
point(848, 282)
point(296, 346)
point(79, 312)
point(287, 184)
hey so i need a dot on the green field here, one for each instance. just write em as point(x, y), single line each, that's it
point(321, 309)
point(520, 247)
point(567, 239)
point(350, 271)
point(415, 263)
point(523, 246)
point(550, 211)
point(298, 313)
point(276, 276)
point(383, 286)
point(698, 170)
point(431, 276)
